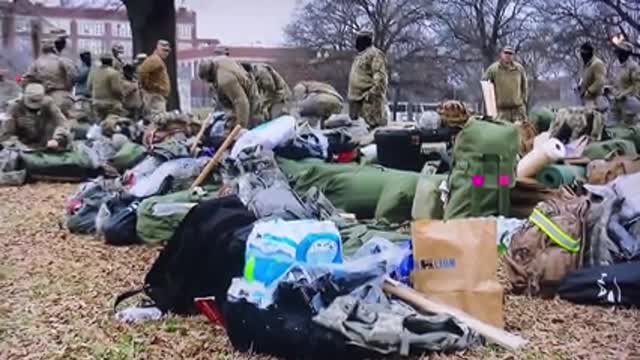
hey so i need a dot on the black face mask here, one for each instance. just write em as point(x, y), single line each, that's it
point(60, 45)
point(363, 42)
point(622, 55)
point(586, 56)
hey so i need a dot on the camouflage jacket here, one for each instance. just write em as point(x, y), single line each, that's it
point(106, 84)
point(35, 128)
point(154, 77)
point(270, 84)
point(629, 79)
point(9, 90)
point(132, 98)
point(236, 90)
point(53, 72)
point(368, 75)
point(573, 122)
point(594, 77)
point(510, 82)
point(311, 87)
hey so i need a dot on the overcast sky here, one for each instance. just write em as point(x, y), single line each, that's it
point(242, 22)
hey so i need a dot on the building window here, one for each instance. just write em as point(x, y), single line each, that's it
point(184, 31)
point(184, 45)
point(122, 30)
point(128, 50)
point(95, 46)
point(64, 24)
point(91, 28)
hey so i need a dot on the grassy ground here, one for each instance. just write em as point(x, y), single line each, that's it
point(57, 292)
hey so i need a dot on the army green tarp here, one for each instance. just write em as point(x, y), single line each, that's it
point(369, 192)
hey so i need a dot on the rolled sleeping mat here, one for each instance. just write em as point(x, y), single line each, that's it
point(554, 176)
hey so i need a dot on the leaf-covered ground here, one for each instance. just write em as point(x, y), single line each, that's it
point(57, 291)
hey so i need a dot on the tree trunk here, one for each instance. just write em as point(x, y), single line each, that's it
point(152, 20)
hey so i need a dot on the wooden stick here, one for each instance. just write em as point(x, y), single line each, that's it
point(491, 333)
point(217, 157)
point(194, 147)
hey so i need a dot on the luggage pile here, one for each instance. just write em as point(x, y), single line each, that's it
point(308, 243)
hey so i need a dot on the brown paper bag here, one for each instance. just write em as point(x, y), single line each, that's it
point(457, 263)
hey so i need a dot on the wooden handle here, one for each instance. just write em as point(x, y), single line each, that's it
point(194, 147)
point(217, 157)
point(491, 333)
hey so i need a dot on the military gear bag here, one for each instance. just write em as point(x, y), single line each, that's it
point(410, 148)
point(605, 149)
point(483, 172)
point(574, 122)
point(601, 172)
point(453, 113)
point(617, 284)
point(548, 246)
point(631, 133)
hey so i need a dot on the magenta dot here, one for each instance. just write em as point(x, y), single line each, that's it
point(504, 180)
point(478, 181)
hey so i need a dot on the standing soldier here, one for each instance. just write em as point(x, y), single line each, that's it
point(236, 91)
point(594, 77)
point(36, 121)
point(55, 74)
point(274, 91)
point(317, 99)
point(82, 93)
point(9, 90)
point(132, 99)
point(510, 81)
point(118, 50)
point(368, 82)
point(627, 95)
point(154, 80)
point(106, 90)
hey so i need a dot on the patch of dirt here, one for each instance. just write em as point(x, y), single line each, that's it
point(58, 291)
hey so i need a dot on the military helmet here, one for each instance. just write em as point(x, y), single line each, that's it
point(34, 96)
point(453, 113)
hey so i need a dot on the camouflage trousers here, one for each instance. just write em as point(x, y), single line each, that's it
point(600, 103)
point(10, 175)
point(153, 104)
point(627, 111)
point(320, 105)
point(512, 114)
point(274, 109)
point(64, 100)
point(103, 109)
point(82, 111)
point(373, 111)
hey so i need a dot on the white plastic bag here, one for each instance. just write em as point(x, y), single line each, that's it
point(268, 135)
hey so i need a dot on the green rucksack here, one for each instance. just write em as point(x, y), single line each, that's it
point(483, 173)
point(129, 155)
point(160, 216)
point(603, 149)
point(74, 164)
point(542, 119)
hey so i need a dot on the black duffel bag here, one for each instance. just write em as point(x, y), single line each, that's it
point(119, 229)
point(603, 285)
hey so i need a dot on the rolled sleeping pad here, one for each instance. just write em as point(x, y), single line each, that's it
point(554, 176)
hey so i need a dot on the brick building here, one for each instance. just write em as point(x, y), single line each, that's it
point(93, 29)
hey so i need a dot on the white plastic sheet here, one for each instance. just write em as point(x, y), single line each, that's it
point(268, 135)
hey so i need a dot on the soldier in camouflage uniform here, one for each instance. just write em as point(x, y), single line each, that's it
point(36, 121)
point(106, 90)
point(235, 90)
point(368, 82)
point(9, 90)
point(317, 99)
point(627, 93)
point(118, 50)
point(132, 97)
point(55, 74)
point(594, 77)
point(511, 85)
point(274, 91)
point(154, 80)
point(572, 123)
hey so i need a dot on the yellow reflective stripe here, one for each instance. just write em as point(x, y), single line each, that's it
point(554, 232)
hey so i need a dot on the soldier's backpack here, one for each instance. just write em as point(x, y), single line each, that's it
point(548, 246)
point(484, 162)
point(605, 149)
point(630, 133)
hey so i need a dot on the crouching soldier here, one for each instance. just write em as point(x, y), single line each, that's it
point(317, 100)
point(106, 90)
point(35, 123)
point(274, 90)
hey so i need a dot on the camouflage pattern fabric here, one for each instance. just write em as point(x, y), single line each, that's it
point(35, 128)
point(368, 82)
point(626, 105)
point(574, 122)
point(511, 85)
point(9, 90)
point(512, 115)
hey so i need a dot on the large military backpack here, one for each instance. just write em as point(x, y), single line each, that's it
point(549, 246)
point(483, 172)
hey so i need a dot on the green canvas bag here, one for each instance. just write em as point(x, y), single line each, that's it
point(602, 149)
point(129, 155)
point(483, 172)
point(631, 133)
